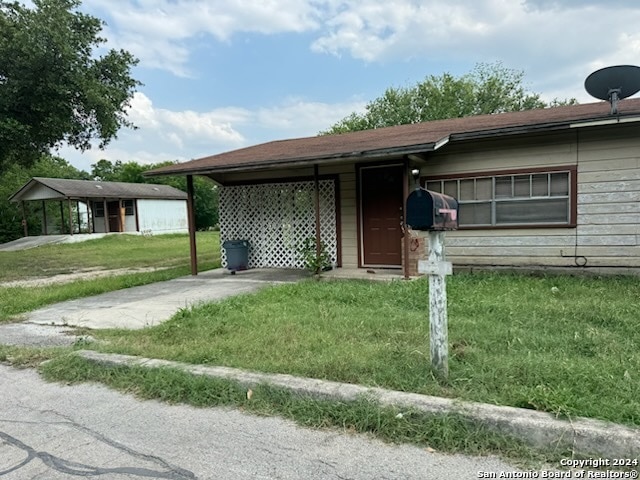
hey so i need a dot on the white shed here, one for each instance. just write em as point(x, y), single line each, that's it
point(88, 206)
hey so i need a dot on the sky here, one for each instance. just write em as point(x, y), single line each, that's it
point(225, 74)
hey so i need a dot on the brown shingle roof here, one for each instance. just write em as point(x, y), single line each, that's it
point(399, 139)
point(80, 189)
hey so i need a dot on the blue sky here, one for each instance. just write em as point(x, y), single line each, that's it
point(224, 74)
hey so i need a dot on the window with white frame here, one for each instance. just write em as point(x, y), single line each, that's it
point(540, 198)
point(98, 209)
point(128, 207)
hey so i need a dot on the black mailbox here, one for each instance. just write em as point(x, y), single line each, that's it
point(427, 210)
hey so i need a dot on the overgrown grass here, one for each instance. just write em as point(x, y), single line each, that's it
point(447, 433)
point(117, 251)
point(110, 252)
point(513, 341)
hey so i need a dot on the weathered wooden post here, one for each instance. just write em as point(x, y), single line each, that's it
point(435, 213)
point(437, 269)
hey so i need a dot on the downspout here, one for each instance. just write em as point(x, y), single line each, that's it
point(405, 230)
point(192, 225)
point(316, 185)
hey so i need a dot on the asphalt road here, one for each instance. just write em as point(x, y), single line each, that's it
point(53, 431)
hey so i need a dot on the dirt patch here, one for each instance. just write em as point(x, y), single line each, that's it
point(85, 274)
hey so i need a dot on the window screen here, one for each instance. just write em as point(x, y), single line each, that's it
point(519, 199)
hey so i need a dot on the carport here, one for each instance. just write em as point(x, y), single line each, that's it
point(88, 206)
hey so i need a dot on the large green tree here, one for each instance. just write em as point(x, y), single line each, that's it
point(489, 88)
point(205, 192)
point(54, 88)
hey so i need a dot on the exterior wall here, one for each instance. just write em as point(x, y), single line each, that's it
point(162, 216)
point(609, 197)
point(348, 217)
point(607, 232)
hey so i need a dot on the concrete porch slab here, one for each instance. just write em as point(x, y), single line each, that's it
point(376, 274)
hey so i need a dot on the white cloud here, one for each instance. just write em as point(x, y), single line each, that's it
point(300, 118)
point(156, 31)
point(214, 126)
point(181, 135)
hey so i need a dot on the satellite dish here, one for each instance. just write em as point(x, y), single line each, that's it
point(613, 84)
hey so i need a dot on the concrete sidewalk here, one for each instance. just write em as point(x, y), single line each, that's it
point(139, 307)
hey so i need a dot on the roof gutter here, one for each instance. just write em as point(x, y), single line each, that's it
point(608, 121)
point(441, 143)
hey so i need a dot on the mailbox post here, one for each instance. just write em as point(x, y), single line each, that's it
point(435, 213)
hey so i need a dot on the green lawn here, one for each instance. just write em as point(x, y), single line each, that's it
point(110, 252)
point(513, 341)
point(168, 253)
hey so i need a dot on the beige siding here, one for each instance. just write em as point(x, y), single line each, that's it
point(490, 155)
point(348, 217)
point(609, 197)
point(608, 233)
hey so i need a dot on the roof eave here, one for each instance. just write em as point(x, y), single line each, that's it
point(543, 127)
point(299, 161)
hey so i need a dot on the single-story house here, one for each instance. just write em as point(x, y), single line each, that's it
point(88, 206)
point(554, 187)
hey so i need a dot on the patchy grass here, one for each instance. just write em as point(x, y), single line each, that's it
point(29, 357)
point(514, 340)
point(169, 252)
point(110, 252)
point(17, 300)
point(447, 433)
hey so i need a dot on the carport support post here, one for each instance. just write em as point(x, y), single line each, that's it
point(105, 218)
point(24, 219)
point(438, 306)
point(61, 218)
point(70, 216)
point(44, 218)
point(78, 215)
point(316, 185)
point(405, 230)
point(192, 225)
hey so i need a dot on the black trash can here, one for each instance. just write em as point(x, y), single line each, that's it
point(237, 254)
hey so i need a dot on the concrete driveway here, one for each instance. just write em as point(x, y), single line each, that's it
point(147, 305)
point(26, 243)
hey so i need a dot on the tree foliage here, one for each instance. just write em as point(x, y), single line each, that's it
point(489, 88)
point(205, 192)
point(53, 86)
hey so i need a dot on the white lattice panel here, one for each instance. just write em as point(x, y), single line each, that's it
point(276, 218)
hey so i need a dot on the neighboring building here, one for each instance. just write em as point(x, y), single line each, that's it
point(557, 187)
point(103, 207)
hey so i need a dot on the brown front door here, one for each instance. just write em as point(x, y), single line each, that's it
point(113, 209)
point(381, 210)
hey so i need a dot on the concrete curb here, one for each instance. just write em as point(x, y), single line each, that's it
point(542, 430)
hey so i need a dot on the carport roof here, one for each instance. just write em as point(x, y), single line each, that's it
point(61, 188)
point(402, 139)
